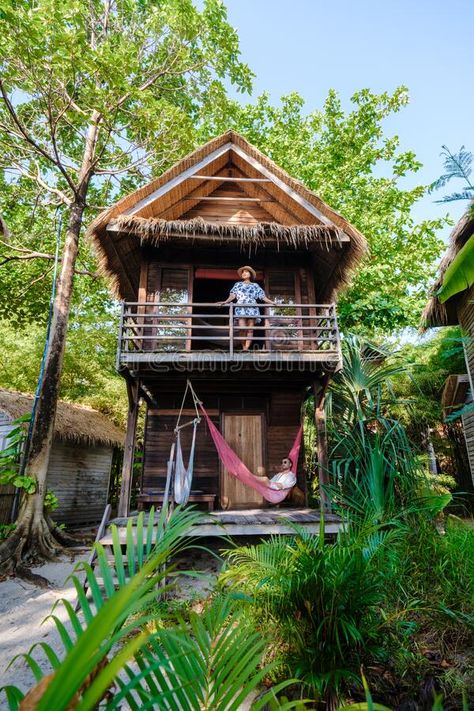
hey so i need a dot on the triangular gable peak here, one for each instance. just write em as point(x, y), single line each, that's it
point(228, 188)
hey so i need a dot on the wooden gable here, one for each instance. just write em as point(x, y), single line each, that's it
point(230, 194)
point(231, 187)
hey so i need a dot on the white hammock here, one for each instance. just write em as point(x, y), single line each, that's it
point(183, 476)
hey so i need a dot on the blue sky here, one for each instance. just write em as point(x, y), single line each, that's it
point(311, 46)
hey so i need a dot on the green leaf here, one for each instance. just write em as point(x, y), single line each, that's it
point(459, 275)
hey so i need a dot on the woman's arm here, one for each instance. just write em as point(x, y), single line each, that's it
point(266, 300)
point(230, 298)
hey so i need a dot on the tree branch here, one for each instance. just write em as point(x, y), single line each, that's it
point(130, 166)
point(27, 254)
point(39, 180)
point(24, 134)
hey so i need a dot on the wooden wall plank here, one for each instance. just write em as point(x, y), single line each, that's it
point(79, 476)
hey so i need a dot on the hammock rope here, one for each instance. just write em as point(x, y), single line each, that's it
point(179, 478)
point(237, 468)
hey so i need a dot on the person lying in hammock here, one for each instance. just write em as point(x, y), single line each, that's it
point(285, 479)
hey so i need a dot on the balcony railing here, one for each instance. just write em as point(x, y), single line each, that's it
point(161, 328)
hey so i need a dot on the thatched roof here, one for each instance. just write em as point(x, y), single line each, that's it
point(74, 423)
point(436, 313)
point(167, 210)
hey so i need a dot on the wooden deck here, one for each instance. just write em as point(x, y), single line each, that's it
point(251, 522)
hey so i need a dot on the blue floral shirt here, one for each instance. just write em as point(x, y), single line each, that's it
point(247, 293)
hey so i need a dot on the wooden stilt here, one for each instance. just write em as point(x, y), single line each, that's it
point(129, 448)
point(319, 390)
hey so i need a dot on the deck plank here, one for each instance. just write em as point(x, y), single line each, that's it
point(251, 522)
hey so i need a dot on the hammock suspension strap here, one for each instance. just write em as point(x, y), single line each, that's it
point(178, 476)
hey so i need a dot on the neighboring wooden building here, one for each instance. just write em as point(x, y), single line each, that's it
point(80, 462)
point(172, 249)
point(459, 309)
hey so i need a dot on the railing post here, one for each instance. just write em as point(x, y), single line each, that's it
point(231, 330)
point(338, 338)
point(120, 336)
point(189, 328)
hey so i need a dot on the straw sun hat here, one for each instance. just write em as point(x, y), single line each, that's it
point(248, 269)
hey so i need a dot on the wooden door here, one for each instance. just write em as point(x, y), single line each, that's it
point(244, 433)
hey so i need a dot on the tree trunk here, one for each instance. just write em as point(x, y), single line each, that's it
point(33, 537)
point(36, 537)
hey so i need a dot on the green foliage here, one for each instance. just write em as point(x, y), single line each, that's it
point(457, 166)
point(347, 160)
point(375, 472)
point(322, 599)
point(10, 458)
point(440, 568)
point(6, 529)
point(460, 273)
point(211, 664)
point(89, 375)
point(139, 74)
point(10, 461)
point(418, 387)
point(51, 501)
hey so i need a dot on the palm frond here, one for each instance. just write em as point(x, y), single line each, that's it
point(465, 194)
point(456, 165)
point(96, 627)
point(211, 664)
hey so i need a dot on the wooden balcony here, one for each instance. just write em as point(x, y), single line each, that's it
point(199, 335)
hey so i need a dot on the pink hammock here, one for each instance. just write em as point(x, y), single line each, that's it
point(235, 466)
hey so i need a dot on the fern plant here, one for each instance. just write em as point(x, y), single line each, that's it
point(212, 664)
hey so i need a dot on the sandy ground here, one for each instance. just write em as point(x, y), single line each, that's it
point(24, 607)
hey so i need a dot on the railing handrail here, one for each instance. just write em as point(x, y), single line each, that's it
point(304, 328)
point(233, 303)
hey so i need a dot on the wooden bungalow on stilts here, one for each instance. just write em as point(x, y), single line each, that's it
point(172, 249)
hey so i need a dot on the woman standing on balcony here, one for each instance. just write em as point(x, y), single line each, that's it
point(246, 292)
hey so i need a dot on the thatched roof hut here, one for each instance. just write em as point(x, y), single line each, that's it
point(85, 444)
point(77, 424)
point(285, 214)
point(436, 313)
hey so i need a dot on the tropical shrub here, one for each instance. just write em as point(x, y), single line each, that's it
point(320, 600)
point(211, 664)
point(376, 471)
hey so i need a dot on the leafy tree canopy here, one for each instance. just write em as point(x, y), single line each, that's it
point(89, 363)
point(345, 157)
point(426, 367)
point(132, 78)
